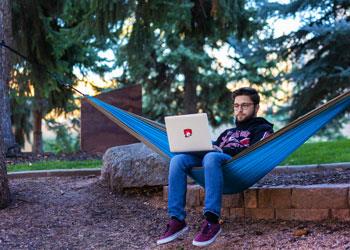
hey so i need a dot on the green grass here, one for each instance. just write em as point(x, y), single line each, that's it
point(309, 153)
point(47, 165)
point(320, 152)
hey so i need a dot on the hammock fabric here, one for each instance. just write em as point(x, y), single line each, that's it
point(246, 168)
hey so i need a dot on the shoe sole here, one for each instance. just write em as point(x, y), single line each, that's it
point(172, 237)
point(206, 243)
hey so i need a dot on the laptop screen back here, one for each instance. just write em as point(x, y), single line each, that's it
point(188, 133)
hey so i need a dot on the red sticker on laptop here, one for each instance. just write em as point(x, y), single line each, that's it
point(187, 132)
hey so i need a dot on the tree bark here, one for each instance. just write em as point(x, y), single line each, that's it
point(4, 188)
point(190, 92)
point(38, 137)
point(5, 111)
point(5, 122)
point(38, 112)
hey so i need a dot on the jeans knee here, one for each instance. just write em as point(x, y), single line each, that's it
point(177, 162)
point(211, 157)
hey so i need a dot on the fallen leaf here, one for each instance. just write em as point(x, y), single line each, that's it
point(301, 232)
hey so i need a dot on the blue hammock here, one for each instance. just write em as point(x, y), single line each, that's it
point(246, 168)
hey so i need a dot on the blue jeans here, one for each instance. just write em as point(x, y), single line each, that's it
point(180, 165)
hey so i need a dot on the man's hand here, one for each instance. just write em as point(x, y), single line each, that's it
point(218, 149)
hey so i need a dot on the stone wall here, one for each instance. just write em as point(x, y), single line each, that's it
point(302, 203)
point(98, 133)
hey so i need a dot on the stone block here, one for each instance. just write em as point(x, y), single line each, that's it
point(199, 209)
point(225, 212)
point(260, 213)
point(250, 198)
point(320, 196)
point(236, 213)
point(307, 214)
point(165, 193)
point(192, 196)
point(284, 214)
point(232, 200)
point(274, 198)
point(237, 200)
point(201, 195)
point(226, 200)
point(310, 214)
point(341, 214)
point(302, 214)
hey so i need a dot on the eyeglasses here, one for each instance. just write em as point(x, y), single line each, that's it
point(244, 106)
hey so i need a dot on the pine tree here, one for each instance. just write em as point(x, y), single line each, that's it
point(318, 50)
point(165, 45)
point(50, 34)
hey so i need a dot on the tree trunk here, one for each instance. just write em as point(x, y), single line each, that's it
point(190, 94)
point(4, 188)
point(5, 123)
point(38, 137)
point(5, 112)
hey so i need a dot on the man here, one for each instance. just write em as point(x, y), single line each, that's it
point(249, 130)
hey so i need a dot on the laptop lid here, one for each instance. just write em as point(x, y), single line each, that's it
point(188, 133)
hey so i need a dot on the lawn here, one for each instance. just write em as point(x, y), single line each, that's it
point(320, 152)
point(309, 153)
point(47, 165)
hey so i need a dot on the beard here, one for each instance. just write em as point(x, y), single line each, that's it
point(241, 117)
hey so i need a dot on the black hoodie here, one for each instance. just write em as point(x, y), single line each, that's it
point(234, 140)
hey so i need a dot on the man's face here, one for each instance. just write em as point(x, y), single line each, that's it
point(244, 108)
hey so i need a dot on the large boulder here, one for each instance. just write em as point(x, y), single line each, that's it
point(133, 165)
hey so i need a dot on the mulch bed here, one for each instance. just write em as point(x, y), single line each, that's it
point(329, 176)
point(81, 213)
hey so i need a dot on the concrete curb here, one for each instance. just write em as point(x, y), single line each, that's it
point(55, 173)
point(311, 168)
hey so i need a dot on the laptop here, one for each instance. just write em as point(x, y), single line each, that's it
point(188, 133)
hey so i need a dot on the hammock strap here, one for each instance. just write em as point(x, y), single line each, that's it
point(52, 75)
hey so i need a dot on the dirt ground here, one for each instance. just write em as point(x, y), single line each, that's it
point(80, 213)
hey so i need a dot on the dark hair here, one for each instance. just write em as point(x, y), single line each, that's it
point(252, 93)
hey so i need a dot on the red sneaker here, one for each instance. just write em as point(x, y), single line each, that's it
point(207, 235)
point(174, 230)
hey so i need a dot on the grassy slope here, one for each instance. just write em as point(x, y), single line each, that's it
point(321, 152)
